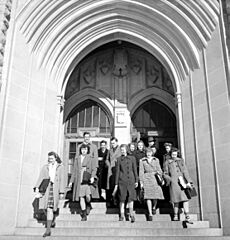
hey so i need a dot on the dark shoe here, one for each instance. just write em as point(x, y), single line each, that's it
point(47, 234)
point(150, 218)
point(127, 214)
point(188, 219)
point(154, 211)
point(53, 224)
point(132, 219)
point(83, 216)
point(88, 208)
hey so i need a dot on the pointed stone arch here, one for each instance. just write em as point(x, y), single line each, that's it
point(60, 33)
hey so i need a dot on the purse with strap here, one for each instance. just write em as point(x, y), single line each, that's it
point(160, 179)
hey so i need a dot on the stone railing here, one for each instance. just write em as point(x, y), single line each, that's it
point(5, 11)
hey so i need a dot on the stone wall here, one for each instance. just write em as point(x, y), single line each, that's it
point(206, 115)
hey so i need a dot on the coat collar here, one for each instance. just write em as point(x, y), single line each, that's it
point(174, 160)
point(58, 165)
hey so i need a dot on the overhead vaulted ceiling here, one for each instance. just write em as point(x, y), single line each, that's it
point(62, 32)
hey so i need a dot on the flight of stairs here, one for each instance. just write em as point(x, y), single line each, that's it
point(103, 223)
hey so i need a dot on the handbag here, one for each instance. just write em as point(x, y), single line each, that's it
point(86, 177)
point(43, 186)
point(160, 179)
point(190, 192)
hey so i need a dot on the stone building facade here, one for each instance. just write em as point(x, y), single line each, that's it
point(126, 68)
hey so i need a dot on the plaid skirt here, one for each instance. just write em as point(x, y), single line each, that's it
point(51, 197)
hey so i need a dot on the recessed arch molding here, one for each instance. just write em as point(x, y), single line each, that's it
point(61, 32)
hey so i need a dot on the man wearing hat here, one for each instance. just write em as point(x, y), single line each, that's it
point(151, 142)
point(167, 155)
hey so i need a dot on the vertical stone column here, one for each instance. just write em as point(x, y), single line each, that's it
point(180, 123)
point(122, 123)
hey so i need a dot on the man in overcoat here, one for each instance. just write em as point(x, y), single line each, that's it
point(111, 161)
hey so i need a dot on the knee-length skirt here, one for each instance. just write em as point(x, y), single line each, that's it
point(50, 203)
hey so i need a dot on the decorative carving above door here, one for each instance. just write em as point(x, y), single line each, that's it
point(119, 70)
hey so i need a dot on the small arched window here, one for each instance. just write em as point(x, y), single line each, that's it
point(88, 114)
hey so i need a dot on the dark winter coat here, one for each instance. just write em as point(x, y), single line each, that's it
point(126, 175)
point(111, 161)
point(139, 155)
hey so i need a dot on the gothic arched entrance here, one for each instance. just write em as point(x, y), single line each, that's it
point(154, 118)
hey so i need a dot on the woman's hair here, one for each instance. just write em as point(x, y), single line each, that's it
point(148, 149)
point(140, 141)
point(113, 138)
point(132, 143)
point(58, 159)
point(167, 144)
point(124, 146)
point(103, 141)
point(175, 150)
point(84, 146)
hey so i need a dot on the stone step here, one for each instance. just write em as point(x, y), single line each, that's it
point(65, 204)
point(24, 237)
point(123, 232)
point(126, 224)
point(110, 217)
point(114, 210)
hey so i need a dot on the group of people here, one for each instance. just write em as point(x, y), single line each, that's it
point(123, 172)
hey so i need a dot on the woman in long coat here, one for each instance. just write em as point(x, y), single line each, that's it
point(149, 166)
point(139, 154)
point(53, 171)
point(82, 190)
point(174, 169)
point(126, 181)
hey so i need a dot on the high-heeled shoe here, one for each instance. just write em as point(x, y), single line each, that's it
point(47, 234)
point(132, 219)
point(150, 218)
point(188, 219)
point(53, 224)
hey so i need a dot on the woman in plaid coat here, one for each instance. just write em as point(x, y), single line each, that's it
point(49, 201)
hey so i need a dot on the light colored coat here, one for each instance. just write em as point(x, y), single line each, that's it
point(171, 174)
point(58, 186)
point(91, 168)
